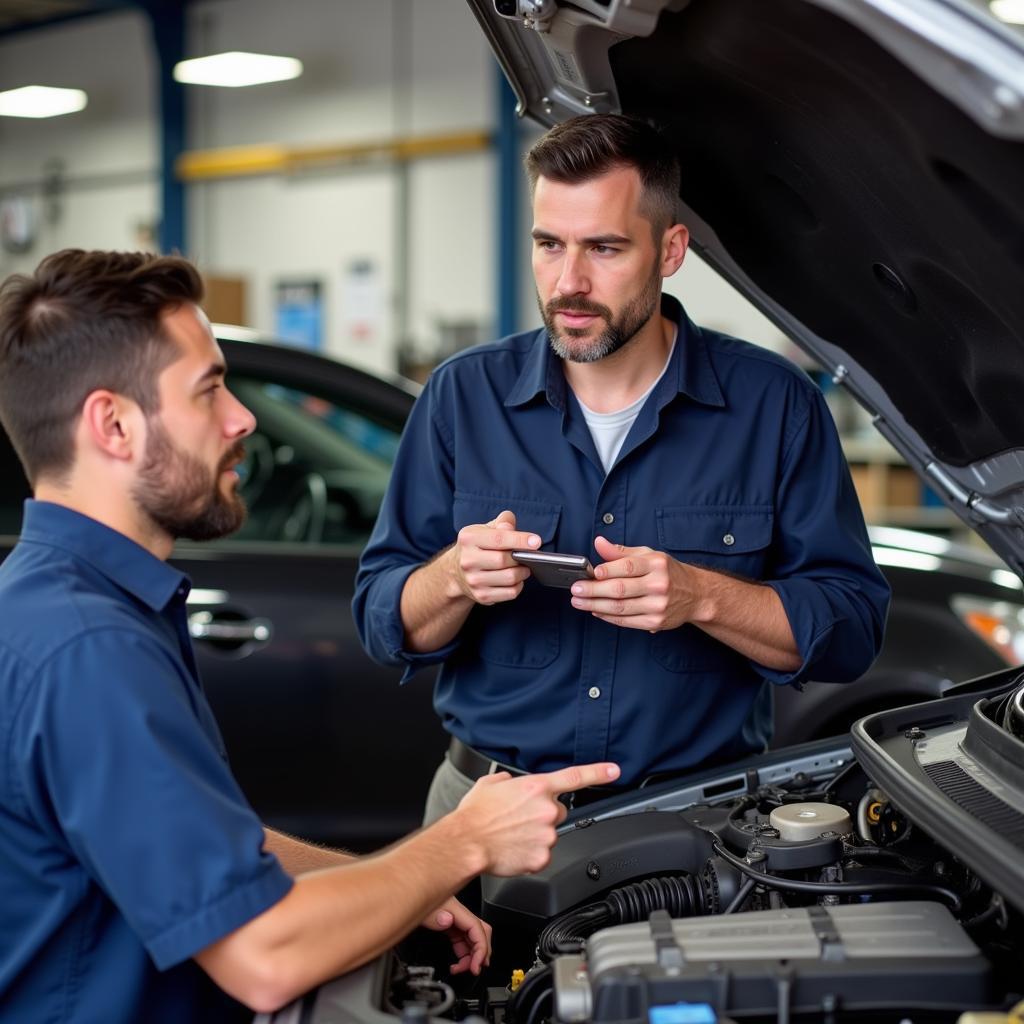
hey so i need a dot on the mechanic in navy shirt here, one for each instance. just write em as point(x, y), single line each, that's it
point(136, 884)
point(701, 475)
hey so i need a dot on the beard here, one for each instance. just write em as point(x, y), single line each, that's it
point(618, 330)
point(182, 495)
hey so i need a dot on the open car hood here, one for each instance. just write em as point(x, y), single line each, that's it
point(856, 169)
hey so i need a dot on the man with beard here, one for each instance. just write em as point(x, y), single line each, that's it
point(133, 874)
point(701, 475)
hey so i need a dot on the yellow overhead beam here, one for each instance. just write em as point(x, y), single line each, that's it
point(246, 161)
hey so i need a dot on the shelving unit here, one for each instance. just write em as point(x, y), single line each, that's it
point(890, 492)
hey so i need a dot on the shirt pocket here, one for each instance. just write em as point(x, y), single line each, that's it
point(523, 633)
point(728, 538)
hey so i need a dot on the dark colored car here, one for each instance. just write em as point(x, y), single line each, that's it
point(956, 612)
point(325, 742)
point(855, 168)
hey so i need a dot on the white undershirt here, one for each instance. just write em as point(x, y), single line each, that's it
point(609, 429)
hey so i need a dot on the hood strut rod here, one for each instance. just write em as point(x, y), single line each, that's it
point(984, 508)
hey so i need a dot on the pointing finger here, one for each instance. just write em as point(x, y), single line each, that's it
point(579, 776)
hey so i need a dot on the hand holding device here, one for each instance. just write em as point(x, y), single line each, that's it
point(639, 588)
point(481, 560)
point(554, 569)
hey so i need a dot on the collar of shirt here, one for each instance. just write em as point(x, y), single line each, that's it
point(690, 370)
point(119, 558)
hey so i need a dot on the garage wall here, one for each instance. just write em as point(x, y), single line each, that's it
point(364, 80)
point(404, 254)
point(97, 166)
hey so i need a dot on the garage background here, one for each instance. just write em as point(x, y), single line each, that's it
point(388, 172)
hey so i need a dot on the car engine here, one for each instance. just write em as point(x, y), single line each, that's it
point(879, 878)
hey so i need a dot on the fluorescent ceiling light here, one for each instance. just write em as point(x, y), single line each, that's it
point(1005, 578)
point(906, 559)
point(41, 101)
point(1010, 11)
point(235, 69)
point(912, 540)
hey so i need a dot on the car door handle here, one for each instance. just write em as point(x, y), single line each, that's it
point(205, 626)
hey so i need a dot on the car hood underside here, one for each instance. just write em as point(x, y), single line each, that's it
point(855, 169)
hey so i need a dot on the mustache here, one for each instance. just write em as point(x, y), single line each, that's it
point(578, 305)
point(234, 455)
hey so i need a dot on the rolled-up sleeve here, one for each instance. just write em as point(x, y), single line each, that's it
point(834, 595)
point(415, 523)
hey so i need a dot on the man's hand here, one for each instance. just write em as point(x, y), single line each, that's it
point(483, 569)
point(639, 588)
point(470, 937)
point(512, 821)
point(477, 569)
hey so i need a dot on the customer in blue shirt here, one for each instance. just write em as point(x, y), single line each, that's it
point(701, 475)
point(136, 884)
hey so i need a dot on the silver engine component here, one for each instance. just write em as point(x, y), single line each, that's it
point(797, 822)
point(799, 959)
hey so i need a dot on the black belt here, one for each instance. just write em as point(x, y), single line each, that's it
point(475, 765)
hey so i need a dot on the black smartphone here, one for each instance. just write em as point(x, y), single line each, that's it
point(553, 569)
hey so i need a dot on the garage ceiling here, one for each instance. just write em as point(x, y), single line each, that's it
point(16, 14)
point(25, 15)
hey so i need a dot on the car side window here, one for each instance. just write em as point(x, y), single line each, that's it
point(315, 472)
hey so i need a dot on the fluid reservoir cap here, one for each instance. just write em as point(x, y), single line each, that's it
point(682, 1013)
point(798, 822)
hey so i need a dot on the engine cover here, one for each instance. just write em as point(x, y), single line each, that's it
point(596, 856)
point(806, 960)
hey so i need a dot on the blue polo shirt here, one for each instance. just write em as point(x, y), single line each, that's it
point(126, 846)
point(733, 463)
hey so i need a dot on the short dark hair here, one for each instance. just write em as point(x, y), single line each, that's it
point(590, 145)
point(82, 321)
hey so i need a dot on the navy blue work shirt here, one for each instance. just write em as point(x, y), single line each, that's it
point(733, 463)
point(126, 846)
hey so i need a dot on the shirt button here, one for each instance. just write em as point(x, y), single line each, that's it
point(728, 540)
point(607, 519)
point(593, 693)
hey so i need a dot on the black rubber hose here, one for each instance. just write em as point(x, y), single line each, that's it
point(839, 888)
point(681, 895)
point(741, 897)
point(566, 934)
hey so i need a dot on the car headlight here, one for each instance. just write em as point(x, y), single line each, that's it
point(999, 623)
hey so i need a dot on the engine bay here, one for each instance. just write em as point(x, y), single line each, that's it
point(796, 887)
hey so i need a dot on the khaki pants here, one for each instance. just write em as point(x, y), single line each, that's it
point(447, 789)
